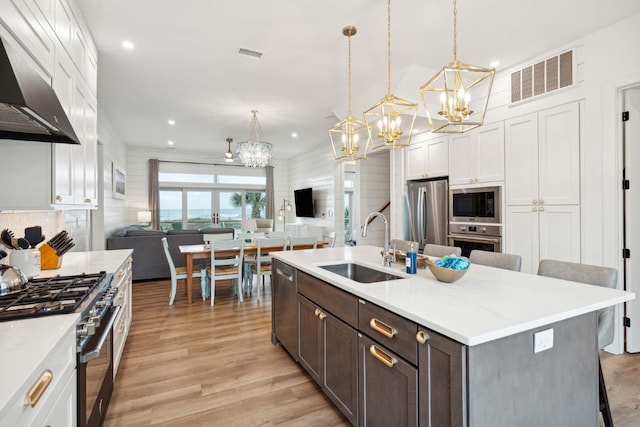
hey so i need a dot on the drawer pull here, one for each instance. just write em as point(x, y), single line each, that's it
point(121, 272)
point(422, 337)
point(284, 275)
point(317, 312)
point(383, 356)
point(382, 327)
point(121, 329)
point(121, 294)
point(322, 316)
point(38, 390)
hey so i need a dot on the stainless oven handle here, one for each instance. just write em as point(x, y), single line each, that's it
point(477, 239)
point(90, 355)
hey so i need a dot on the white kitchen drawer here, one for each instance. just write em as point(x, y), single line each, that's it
point(60, 363)
point(62, 412)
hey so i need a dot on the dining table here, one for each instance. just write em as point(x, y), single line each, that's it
point(202, 251)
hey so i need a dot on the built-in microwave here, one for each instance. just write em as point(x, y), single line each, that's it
point(479, 204)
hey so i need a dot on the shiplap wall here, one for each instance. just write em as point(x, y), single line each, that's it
point(319, 170)
point(111, 213)
point(373, 175)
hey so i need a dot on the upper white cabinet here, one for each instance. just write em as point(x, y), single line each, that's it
point(52, 39)
point(543, 157)
point(427, 158)
point(477, 156)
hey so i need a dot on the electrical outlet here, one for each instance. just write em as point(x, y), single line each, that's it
point(543, 340)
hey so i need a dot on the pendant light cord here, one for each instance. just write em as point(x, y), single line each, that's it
point(349, 37)
point(389, 46)
point(455, 32)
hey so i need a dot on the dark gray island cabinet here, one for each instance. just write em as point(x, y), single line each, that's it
point(382, 369)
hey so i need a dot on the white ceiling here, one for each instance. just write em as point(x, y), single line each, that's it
point(185, 64)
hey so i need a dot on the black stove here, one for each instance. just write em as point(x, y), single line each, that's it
point(55, 295)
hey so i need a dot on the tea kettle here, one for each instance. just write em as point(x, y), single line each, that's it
point(12, 280)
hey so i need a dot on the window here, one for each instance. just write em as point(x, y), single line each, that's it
point(196, 196)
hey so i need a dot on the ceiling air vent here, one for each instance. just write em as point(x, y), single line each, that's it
point(542, 77)
point(251, 53)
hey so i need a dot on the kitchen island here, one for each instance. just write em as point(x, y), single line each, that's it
point(496, 348)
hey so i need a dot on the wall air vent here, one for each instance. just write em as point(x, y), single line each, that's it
point(251, 53)
point(542, 77)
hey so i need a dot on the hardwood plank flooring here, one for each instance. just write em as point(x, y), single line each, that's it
point(202, 366)
point(198, 366)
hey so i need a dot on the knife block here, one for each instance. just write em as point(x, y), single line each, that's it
point(49, 260)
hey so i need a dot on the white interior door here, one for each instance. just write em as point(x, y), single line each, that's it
point(632, 213)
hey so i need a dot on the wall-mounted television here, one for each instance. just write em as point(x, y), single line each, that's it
point(303, 199)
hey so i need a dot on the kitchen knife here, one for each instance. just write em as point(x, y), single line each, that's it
point(65, 248)
point(58, 238)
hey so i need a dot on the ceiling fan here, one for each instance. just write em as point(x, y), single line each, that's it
point(229, 156)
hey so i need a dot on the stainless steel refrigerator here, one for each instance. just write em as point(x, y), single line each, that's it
point(426, 211)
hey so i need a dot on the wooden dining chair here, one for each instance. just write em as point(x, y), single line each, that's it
point(297, 242)
point(179, 273)
point(262, 265)
point(226, 267)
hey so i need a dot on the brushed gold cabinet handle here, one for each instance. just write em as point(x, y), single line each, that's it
point(121, 272)
point(322, 316)
point(534, 209)
point(87, 200)
point(121, 329)
point(470, 180)
point(535, 202)
point(475, 180)
point(422, 337)
point(58, 198)
point(36, 392)
point(540, 209)
point(317, 312)
point(379, 326)
point(541, 201)
point(383, 356)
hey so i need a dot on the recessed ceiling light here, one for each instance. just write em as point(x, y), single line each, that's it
point(250, 53)
point(171, 122)
point(170, 142)
point(294, 135)
point(127, 44)
point(494, 64)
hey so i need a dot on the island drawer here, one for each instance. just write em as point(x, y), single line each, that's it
point(341, 304)
point(389, 329)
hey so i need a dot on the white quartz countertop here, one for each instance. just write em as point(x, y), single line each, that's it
point(89, 262)
point(25, 343)
point(484, 305)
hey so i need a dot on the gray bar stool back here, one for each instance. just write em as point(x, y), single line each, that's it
point(496, 259)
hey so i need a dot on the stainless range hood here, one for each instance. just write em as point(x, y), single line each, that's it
point(29, 108)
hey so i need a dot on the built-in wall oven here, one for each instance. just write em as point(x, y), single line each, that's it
point(469, 237)
point(478, 204)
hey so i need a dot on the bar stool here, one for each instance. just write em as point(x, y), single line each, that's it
point(440, 250)
point(591, 275)
point(496, 259)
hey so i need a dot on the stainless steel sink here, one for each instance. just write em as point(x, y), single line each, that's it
point(360, 273)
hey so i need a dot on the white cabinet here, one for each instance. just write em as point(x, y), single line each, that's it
point(477, 156)
point(542, 155)
point(122, 281)
point(47, 395)
point(52, 40)
point(543, 232)
point(427, 159)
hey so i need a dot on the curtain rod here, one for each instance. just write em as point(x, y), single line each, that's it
point(204, 163)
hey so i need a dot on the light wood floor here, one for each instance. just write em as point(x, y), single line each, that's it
point(197, 366)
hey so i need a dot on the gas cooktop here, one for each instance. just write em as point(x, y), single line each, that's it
point(55, 295)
